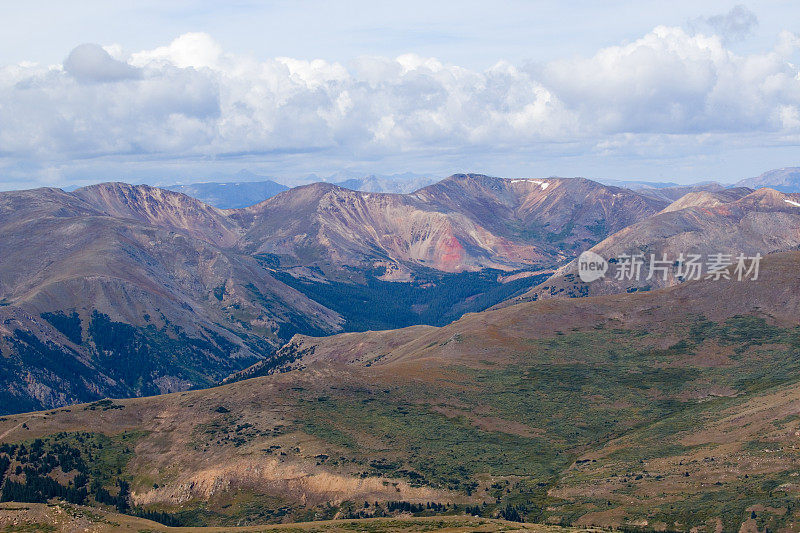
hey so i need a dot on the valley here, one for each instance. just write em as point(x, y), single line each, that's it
point(120, 290)
point(371, 370)
point(610, 411)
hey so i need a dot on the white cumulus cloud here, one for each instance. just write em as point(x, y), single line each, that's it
point(191, 99)
point(91, 63)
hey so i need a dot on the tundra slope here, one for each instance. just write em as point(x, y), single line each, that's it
point(675, 408)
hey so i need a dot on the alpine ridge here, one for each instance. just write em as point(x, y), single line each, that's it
point(123, 290)
point(465, 222)
point(730, 222)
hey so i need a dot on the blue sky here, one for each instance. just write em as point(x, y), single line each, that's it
point(174, 91)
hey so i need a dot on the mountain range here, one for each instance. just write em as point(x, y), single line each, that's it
point(250, 189)
point(408, 355)
point(398, 183)
point(122, 290)
point(729, 222)
point(230, 195)
point(465, 222)
point(134, 290)
point(782, 179)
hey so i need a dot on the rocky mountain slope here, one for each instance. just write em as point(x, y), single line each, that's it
point(729, 222)
point(674, 408)
point(120, 290)
point(561, 215)
point(465, 222)
point(162, 208)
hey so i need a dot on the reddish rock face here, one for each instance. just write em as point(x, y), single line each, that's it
point(175, 274)
point(452, 255)
point(465, 222)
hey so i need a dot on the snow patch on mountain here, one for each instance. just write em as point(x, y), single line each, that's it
point(542, 184)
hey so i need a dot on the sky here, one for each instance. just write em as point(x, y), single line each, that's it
point(181, 91)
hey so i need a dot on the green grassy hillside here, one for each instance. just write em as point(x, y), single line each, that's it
point(631, 411)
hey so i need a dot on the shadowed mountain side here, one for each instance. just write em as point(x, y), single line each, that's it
point(504, 330)
point(95, 305)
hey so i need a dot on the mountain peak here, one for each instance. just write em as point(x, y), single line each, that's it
point(708, 199)
point(126, 190)
point(765, 197)
point(300, 195)
point(161, 207)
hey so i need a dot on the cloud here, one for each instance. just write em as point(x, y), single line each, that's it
point(675, 83)
point(195, 50)
point(91, 63)
point(735, 25)
point(190, 100)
